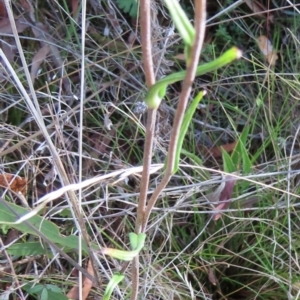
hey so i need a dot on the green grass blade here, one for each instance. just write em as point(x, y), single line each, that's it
point(240, 153)
point(229, 166)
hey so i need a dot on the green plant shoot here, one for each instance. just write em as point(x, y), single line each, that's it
point(137, 242)
point(158, 90)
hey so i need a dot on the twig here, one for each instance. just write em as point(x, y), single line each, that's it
point(200, 19)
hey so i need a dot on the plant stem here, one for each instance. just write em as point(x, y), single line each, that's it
point(200, 18)
point(145, 19)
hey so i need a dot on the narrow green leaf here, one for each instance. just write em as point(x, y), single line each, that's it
point(115, 280)
point(184, 127)
point(247, 165)
point(229, 166)
point(181, 21)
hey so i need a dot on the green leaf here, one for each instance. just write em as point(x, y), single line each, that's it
point(229, 166)
point(47, 228)
point(120, 254)
point(44, 294)
point(184, 127)
point(133, 238)
point(49, 290)
point(182, 23)
point(240, 153)
point(27, 248)
point(129, 6)
point(115, 280)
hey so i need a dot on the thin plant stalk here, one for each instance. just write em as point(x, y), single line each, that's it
point(200, 19)
point(145, 12)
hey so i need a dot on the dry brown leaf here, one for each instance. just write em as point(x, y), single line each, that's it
point(40, 31)
point(211, 276)
point(259, 9)
point(37, 60)
point(217, 150)
point(180, 56)
point(15, 183)
point(266, 48)
point(74, 6)
point(5, 27)
point(8, 45)
point(87, 285)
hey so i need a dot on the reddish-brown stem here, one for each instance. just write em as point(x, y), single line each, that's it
point(200, 18)
point(145, 12)
point(145, 20)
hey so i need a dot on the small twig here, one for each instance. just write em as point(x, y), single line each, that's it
point(200, 19)
point(145, 17)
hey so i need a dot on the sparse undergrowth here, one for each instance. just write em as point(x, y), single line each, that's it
point(246, 126)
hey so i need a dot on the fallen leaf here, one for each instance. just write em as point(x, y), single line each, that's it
point(180, 56)
point(259, 9)
point(74, 6)
point(217, 150)
point(41, 32)
point(37, 60)
point(266, 48)
point(211, 276)
point(8, 45)
point(13, 182)
point(5, 26)
point(86, 288)
point(28, 8)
